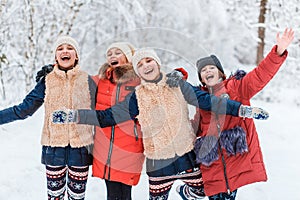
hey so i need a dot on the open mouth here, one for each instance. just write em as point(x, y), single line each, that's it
point(209, 77)
point(148, 71)
point(64, 58)
point(113, 63)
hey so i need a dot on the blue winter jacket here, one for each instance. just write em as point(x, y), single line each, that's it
point(56, 156)
point(128, 109)
point(30, 105)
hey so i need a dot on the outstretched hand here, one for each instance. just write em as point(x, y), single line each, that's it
point(284, 41)
point(65, 116)
point(173, 78)
point(253, 112)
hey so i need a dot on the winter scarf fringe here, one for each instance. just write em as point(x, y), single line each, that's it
point(232, 140)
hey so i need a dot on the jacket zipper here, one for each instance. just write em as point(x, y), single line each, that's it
point(135, 130)
point(220, 149)
point(223, 159)
point(69, 101)
point(108, 162)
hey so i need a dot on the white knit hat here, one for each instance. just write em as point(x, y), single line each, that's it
point(125, 47)
point(66, 40)
point(144, 53)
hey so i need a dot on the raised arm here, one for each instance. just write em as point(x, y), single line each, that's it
point(254, 81)
point(122, 111)
point(30, 105)
point(205, 101)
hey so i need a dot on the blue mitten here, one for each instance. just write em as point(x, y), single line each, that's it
point(253, 112)
point(65, 116)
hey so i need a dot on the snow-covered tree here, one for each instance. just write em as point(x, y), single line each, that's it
point(181, 31)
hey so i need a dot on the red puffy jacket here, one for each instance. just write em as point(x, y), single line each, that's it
point(118, 150)
point(246, 168)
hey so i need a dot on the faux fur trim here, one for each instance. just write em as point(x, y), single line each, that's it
point(120, 74)
point(206, 150)
point(102, 71)
point(124, 74)
point(66, 90)
point(233, 141)
point(164, 119)
point(70, 73)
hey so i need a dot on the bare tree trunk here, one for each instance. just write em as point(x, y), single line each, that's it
point(261, 31)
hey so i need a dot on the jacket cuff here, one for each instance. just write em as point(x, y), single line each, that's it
point(277, 58)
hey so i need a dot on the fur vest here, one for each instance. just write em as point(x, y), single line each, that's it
point(66, 90)
point(164, 119)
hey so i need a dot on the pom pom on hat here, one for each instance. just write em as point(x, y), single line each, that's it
point(66, 40)
point(144, 53)
point(125, 47)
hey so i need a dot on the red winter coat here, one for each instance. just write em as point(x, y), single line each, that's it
point(246, 168)
point(118, 150)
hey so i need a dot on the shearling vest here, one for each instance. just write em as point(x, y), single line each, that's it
point(66, 90)
point(164, 119)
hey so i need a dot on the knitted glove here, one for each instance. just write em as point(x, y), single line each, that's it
point(173, 78)
point(43, 72)
point(253, 112)
point(184, 73)
point(65, 116)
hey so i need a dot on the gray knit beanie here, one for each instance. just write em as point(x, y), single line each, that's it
point(210, 60)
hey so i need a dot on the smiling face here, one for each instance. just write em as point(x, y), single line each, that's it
point(210, 75)
point(66, 56)
point(148, 69)
point(115, 57)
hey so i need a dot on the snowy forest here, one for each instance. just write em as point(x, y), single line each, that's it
point(238, 32)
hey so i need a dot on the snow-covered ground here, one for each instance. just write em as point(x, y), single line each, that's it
point(22, 176)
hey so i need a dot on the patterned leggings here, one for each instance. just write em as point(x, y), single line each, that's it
point(224, 196)
point(74, 178)
point(159, 187)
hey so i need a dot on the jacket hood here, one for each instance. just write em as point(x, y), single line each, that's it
point(120, 74)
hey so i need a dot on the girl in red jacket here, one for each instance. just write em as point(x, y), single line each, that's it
point(228, 147)
point(118, 150)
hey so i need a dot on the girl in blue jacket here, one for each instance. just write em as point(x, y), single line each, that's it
point(65, 149)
